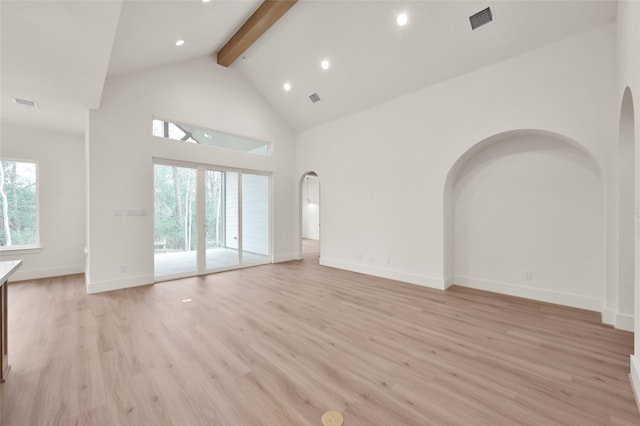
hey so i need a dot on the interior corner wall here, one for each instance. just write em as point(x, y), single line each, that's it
point(60, 159)
point(121, 152)
point(628, 48)
point(384, 169)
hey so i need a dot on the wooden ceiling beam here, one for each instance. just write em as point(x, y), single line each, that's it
point(262, 19)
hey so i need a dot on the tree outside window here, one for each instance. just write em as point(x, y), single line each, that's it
point(18, 198)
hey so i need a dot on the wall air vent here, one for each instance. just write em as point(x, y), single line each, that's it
point(481, 18)
point(314, 97)
point(25, 103)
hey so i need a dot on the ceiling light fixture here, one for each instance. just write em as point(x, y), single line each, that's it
point(325, 64)
point(286, 86)
point(206, 1)
point(402, 19)
point(207, 135)
point(179, 42)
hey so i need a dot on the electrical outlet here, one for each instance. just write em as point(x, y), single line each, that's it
point(528, 276)
point(123, 268)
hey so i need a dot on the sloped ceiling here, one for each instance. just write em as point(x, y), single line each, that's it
point(55, 53)
point(59, 53)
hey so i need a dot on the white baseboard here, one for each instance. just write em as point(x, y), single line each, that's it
point(285, 257)
point(608, 317)
point(449, 280)
point(635, 378)
point(543, 295)
point(624, 322)
point(35, 274)
point(110, 285)
point(377, 271)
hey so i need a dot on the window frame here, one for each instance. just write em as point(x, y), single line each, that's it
point(179, 124)
point(37, 247)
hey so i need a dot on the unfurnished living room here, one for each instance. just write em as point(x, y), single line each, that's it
point(319, 212)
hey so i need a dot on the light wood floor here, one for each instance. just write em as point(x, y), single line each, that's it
point(281, 344)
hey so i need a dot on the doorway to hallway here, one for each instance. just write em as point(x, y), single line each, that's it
point(310, 217)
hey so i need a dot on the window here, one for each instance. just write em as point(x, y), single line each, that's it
point(191, 134)
point(18, 204)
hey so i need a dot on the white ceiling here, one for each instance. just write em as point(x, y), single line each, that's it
point(373, 59)
point(55, 53)
point(59, 53)
point(148, 30)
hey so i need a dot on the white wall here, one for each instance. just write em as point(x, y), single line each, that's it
point(628, 49)
point(530, 203)
point(60, 158)
point(121, 151)
point(384, 169)
point(626, 216)
point(311, 208)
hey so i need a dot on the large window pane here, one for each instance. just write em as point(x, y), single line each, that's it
point(18, 209)
point(175, 220)
point(231, 210)
point(192, 134)
point(221, 219)
point(255, 218)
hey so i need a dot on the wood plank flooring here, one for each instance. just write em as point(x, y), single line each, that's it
point(281, 344)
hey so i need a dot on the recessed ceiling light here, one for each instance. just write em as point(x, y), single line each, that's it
point(325, 64)
point(402, 19)
point(179, 42)
point(206, 1)
point(207, 135)
point(286, 86)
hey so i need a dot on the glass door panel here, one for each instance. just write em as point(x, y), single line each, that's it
point(255, 218)
point(221, 198)
point(175, 220)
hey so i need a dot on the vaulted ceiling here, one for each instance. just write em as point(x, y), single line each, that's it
point(59, 53)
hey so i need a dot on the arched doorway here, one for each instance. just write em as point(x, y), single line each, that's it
point(524, 215)
point(310, 216)
point(626, 215)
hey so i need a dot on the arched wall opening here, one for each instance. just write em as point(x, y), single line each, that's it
point(524, 215)
point(309, 214)
point(626, 214)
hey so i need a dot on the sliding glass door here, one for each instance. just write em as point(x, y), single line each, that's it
point(255, 218)
point(175, 220)
point(221, 220)
point(209, 219)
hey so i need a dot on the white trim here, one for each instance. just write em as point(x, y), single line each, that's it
point(407, 277)
point(449, 281)
point(20, 250)
point(109, 285)
point(608, 317)
point(624, 322)
point(286, 257)
point(550, 296)
point(36, 274)
point(634, 376)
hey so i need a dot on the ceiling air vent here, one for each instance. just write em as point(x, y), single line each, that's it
point(314, 97)
point(25, 103)
point(481, 18)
